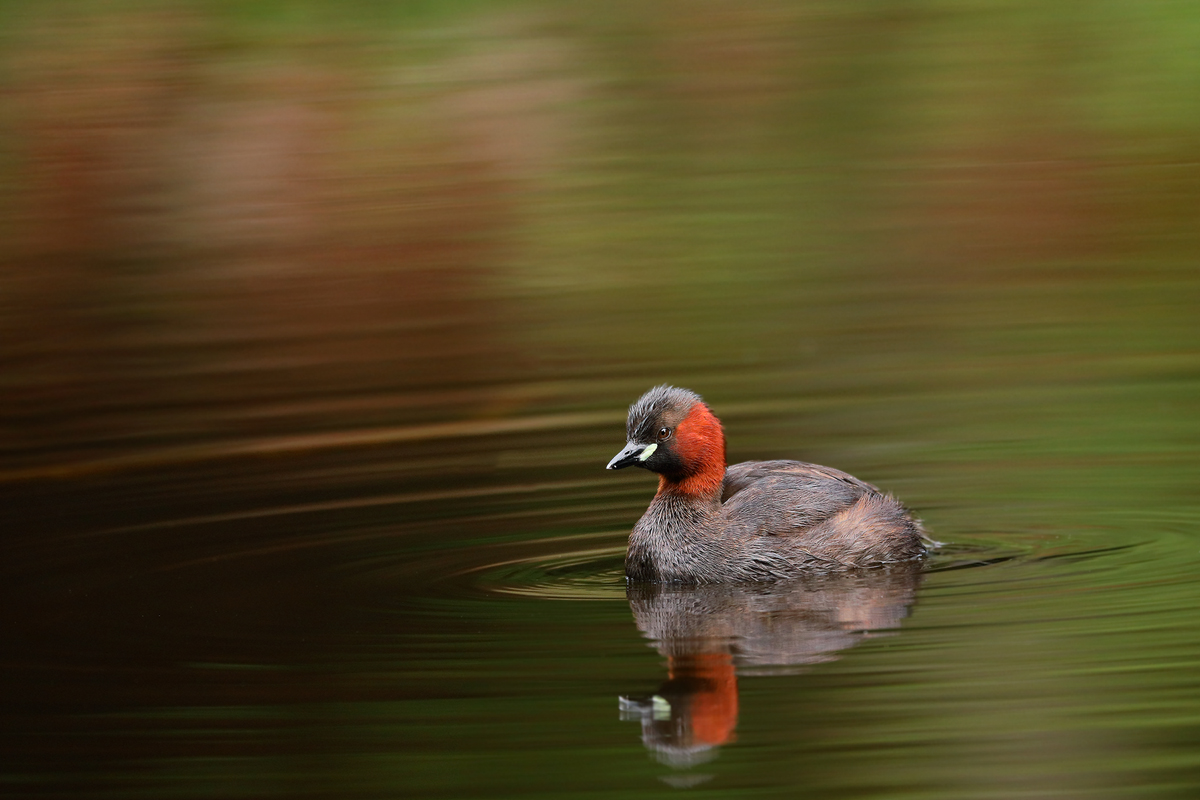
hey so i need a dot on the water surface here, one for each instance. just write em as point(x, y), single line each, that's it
point(319, 329)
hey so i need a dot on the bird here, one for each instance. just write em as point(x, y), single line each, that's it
point(753, 521)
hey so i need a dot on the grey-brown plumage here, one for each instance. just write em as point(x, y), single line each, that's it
point(755, 521)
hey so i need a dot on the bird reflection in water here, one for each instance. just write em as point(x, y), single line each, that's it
point(710, 634)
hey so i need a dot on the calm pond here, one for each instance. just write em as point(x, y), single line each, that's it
point(318, 330)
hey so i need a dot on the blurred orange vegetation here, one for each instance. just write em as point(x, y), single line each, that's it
point(210, 230)
point(253, 238)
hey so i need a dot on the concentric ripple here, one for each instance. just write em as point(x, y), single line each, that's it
point(591, 573)
point(596, 572)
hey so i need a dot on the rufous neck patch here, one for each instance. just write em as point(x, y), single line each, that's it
point(700, 445)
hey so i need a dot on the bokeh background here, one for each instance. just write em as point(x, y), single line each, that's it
point(223, 219)
point(307, 305)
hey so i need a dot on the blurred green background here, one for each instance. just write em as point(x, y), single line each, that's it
point(318, 322)
point(232, 218)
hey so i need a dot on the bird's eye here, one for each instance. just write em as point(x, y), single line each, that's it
point(664, 434)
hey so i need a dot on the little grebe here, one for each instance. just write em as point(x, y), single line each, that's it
point(755, 521)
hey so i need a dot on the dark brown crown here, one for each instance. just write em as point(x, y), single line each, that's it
point(648, 414)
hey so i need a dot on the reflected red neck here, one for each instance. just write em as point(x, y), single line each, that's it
point(714, 708)
point(700, 444)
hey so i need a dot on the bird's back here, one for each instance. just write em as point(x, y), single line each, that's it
point(816, 515)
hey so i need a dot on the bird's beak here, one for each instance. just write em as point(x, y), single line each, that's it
point(632, 455)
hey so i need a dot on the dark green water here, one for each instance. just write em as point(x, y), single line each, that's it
point(318, 329)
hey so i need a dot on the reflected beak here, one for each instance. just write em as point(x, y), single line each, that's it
point(632, 454)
